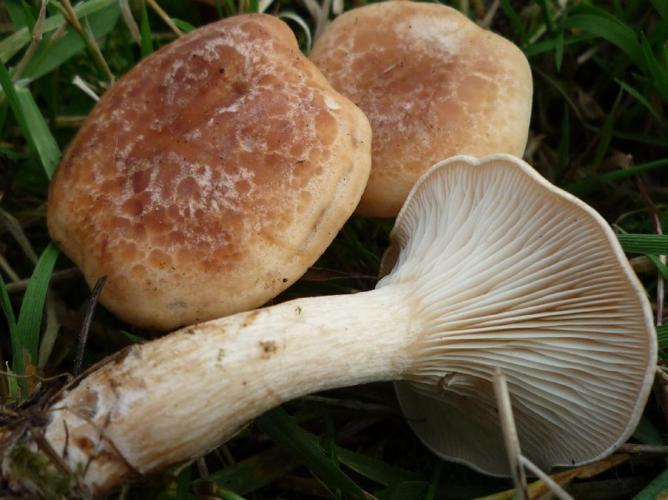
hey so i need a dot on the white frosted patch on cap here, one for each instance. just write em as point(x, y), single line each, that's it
point(331, 103)
point(439, 33)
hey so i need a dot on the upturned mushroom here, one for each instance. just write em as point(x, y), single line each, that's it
point(211, 176)
point(433, 84)
point(490, 267)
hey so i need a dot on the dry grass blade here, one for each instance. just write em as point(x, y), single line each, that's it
point(539, 489)
point(517, 461)
point(302, 24)
point(553, 486)
point(510, 436)
point(85, 88)
point(129, 20)
point(85, 327)
point(51, 330)
point(7, 268)
point(163, 15)
point(37, 32)
point(640, 449)
point(12, 225)
point(263, 5)
point(487, 21)
point(13, 43)
point(20, 285)
point(642, 265)
point(70, 15)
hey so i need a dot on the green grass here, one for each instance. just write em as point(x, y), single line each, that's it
point(599, 128)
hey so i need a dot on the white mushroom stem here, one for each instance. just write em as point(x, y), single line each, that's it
point(216, 376)
point(171, 400)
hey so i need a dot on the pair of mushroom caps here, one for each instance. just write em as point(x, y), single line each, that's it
point(490, 266)
point(215, 172)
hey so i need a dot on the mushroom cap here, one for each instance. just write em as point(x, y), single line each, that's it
point(211, 176)
point(433, 85)
point(520, 275)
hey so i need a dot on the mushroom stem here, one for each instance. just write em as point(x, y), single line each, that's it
point(213, 378)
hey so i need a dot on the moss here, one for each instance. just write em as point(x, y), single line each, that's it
point(34, 468)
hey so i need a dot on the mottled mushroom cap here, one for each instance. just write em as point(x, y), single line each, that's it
point(210, 176)
point(433, 85)
point(511, 272)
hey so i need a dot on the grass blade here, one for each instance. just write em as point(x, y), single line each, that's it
point(641, 99)
point(129, 20)
point(25, 341)
point(38, 132)
point(559, 51)
point(302, 24)
point(228, 495)
point(605, 137)
point(546, 15)
point(304, 447)
point(658, 33)
point(7, 309)
point(433, 484)
point(544, 46)
point(514, 19)
point(184, 26)
point(219, 9)
point(32, 123)
point(20, 14)
point(613, 30)
point(50, 333)
point(14, 43)
point(405, 490)
point(661, 7)
point(560, 88)
point(659, 75)
point(375, 469)
point(183, 485)
point(647, 433)
point(656, 489)
point(84, 31)
point(662, 335)
point(663, 269)
point(648, 244)
point(13, 226)
point(254, 473)
point(145, 30)
point(52, 54)
point(589, 185)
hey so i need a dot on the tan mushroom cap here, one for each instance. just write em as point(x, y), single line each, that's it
point(520, 275)
point(211, 176)
point(433, 85)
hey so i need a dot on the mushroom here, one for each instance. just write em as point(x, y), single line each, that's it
point(490, 267)
point(211, 176)
point(433, 84)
